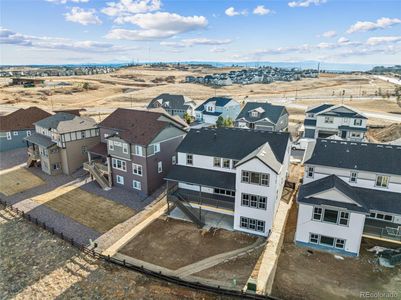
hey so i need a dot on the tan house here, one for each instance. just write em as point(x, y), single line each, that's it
point(60, 143)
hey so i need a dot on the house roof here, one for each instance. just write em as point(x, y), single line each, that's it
point(76, 112)
point(319, 108)
point(41, 140)
point(266, 110)
point(341, 111)
point(22, 119)
point(220, 102)
point(266, 155)
point(366, 199)
point(377, 158)
point(170, 101)
point(64, 122)
point(234, 143)
point(203, 177)
point(139, 126)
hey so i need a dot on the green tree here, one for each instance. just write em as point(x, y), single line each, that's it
point(187, 118)
point(228, 122)
point(85, 86)
point(220, 121)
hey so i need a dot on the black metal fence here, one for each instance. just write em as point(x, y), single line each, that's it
point(158, 275)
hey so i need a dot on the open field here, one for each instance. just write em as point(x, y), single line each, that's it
point(318, 275)
point(89, 209)
point(17, 181)
point(174, 244)
point(55, 270)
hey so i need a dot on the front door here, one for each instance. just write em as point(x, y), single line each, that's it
point(343, 134)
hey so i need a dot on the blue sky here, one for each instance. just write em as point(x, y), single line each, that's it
point(89, 31)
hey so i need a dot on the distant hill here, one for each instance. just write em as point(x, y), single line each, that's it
point(383, 69)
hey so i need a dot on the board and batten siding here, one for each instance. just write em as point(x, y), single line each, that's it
point(202, 162)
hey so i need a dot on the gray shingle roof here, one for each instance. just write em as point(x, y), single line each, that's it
point(174, 101)
point(53, 121)
point(377, 158)
point(234, 143)
point(265, 154)
point(41, 140)
point(319, 108)
point(272, 112)
point(220, 102)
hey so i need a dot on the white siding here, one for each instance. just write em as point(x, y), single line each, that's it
point(201, 161)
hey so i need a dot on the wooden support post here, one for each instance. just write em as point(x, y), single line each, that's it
point(109, 175)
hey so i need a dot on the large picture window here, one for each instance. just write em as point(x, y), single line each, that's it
point(255, 178)
point(330, 216)
point(382, 181)
point(119, 164)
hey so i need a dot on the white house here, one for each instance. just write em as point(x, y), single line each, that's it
point(328, 120)
point(236, 173)
point(209, 111)
point(350, 190)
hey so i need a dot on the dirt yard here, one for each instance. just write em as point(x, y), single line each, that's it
point(386, 134)
point(88, 209)
point(317, 275)
point(17, 181)
point(45, 267)
point(174, 244)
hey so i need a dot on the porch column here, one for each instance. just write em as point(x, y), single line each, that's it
point(89, 157)
point(168, 203)
point(109, 171)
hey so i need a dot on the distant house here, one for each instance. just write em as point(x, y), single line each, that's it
point(27, 82)
point(15, 126)
point(328, 120)
point(350, 190)
point(137, 149)
point(263, 116)
point(76, 112)
point(212, 108)
point(60, 143)
point(174, 104)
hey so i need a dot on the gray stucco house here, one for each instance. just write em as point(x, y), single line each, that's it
point(263, 116)
point(137, 149)
point(209, 111)
point(174, 104)
point(15, 126)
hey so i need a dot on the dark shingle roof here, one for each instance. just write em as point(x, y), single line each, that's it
point(174, 101)
point(319, 108)
point(234, 143)
point(342, 111)
point(367, 199)
point(272, 112)
point(202, 176)
point(377, 158)
point(220, 101)
point(22, 119)
point(138, 126)
point(53, 121)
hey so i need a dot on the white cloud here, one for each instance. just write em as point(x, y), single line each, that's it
point(261, 10)
point(157, 25)
point(329, 34)
point(130, 7)
point(305, 3)
point(196, 41)
point(65, 1)
point(218, 50)
point(343, 40)
point(379, 40)
point(231, 12)
point(381, 23)
point(82, 16)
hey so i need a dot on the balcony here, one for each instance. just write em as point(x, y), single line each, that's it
point(33, 153)
point(201, 198)
point(383, 230)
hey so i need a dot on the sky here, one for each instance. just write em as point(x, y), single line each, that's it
point(96, 31)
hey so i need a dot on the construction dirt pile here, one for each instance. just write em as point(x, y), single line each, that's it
point(386, 134)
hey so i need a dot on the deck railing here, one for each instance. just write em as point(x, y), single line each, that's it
point(389, 233)
point(217, 201)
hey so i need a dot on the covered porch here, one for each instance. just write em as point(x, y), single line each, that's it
point(382, 230)
point(99, 166)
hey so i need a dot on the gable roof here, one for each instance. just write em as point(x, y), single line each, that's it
point(266, 155)
point(366, 199)
point(22, 119)
point(266, 110)
point(318, 108)
point(170, 101)
point(341, 111)
point(139, 126)
point(65, 122)
point(234, 143)
point(377, 158)
point(220, 102)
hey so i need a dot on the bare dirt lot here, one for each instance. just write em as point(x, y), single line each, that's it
point(36, 265)
point(385, 134)
point(174, 244)
point(302, 275)
point(17, 181)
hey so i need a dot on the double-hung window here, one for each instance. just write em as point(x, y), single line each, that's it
point(28, 133)
point(357, 122)
point(125, 148)
point(344, 218)
point(330, 215)
point(136, 184)
point(138, 150)
point(137, 169)
point(8, 134)
point(245, 176)
point(173, 160)
point(111, 145)
point(156, 148)
point(317, 214)
point(159, 167)
point(328, 120)
point(217, 162)
point(353, 176)
point(252, 224)
point(120, 179)
point(119, 164)
point(245, 200)
point(309, 172)
point(254, 201)
point(382, 181)
point(190, 160)
point(226, 163)
point(314, 238)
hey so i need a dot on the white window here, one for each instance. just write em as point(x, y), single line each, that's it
point(357, 122)
point(119, 164)
point(120, 179)
point(314, 238)
point(317, 213)
point(173, 160)
point(234, 162)
point(255, 178)
point(330, 216)
point(254, 114)
point(136, 184)
point(28, 133)
point(217, 162)
point(56, 166)
point(83, 134)
point(111, 145)
point(224, 192)
point(382, 181)
point(309, 172)
point(156, 148)
point(328, 120)
point(189, 159)
point(252, 224)
point(340, 243)
point(15, 133)
point(381, 216)
point(138, 150)
point(353, 176)
point(137, 169)
point(8, 135)
point(159, 167)
point(344, 218)
point(355, 134)
point(226, 163)
point(84, 149)
point(253, 201)
point(125, 148)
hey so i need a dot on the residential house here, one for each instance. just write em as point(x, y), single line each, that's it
point(209, 111)
point(350, 190)
point(174, 104)
point(263, 116)
point(60, 143)
point(137, 149)
point(15, 126)
point(328, 120)
point(236, 174)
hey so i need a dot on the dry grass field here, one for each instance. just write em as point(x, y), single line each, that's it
point(90, 210)
point(17, 181)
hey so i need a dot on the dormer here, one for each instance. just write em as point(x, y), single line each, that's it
point(166, 104)
point(211, 106)
point(158, 103)
point(256, 113)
